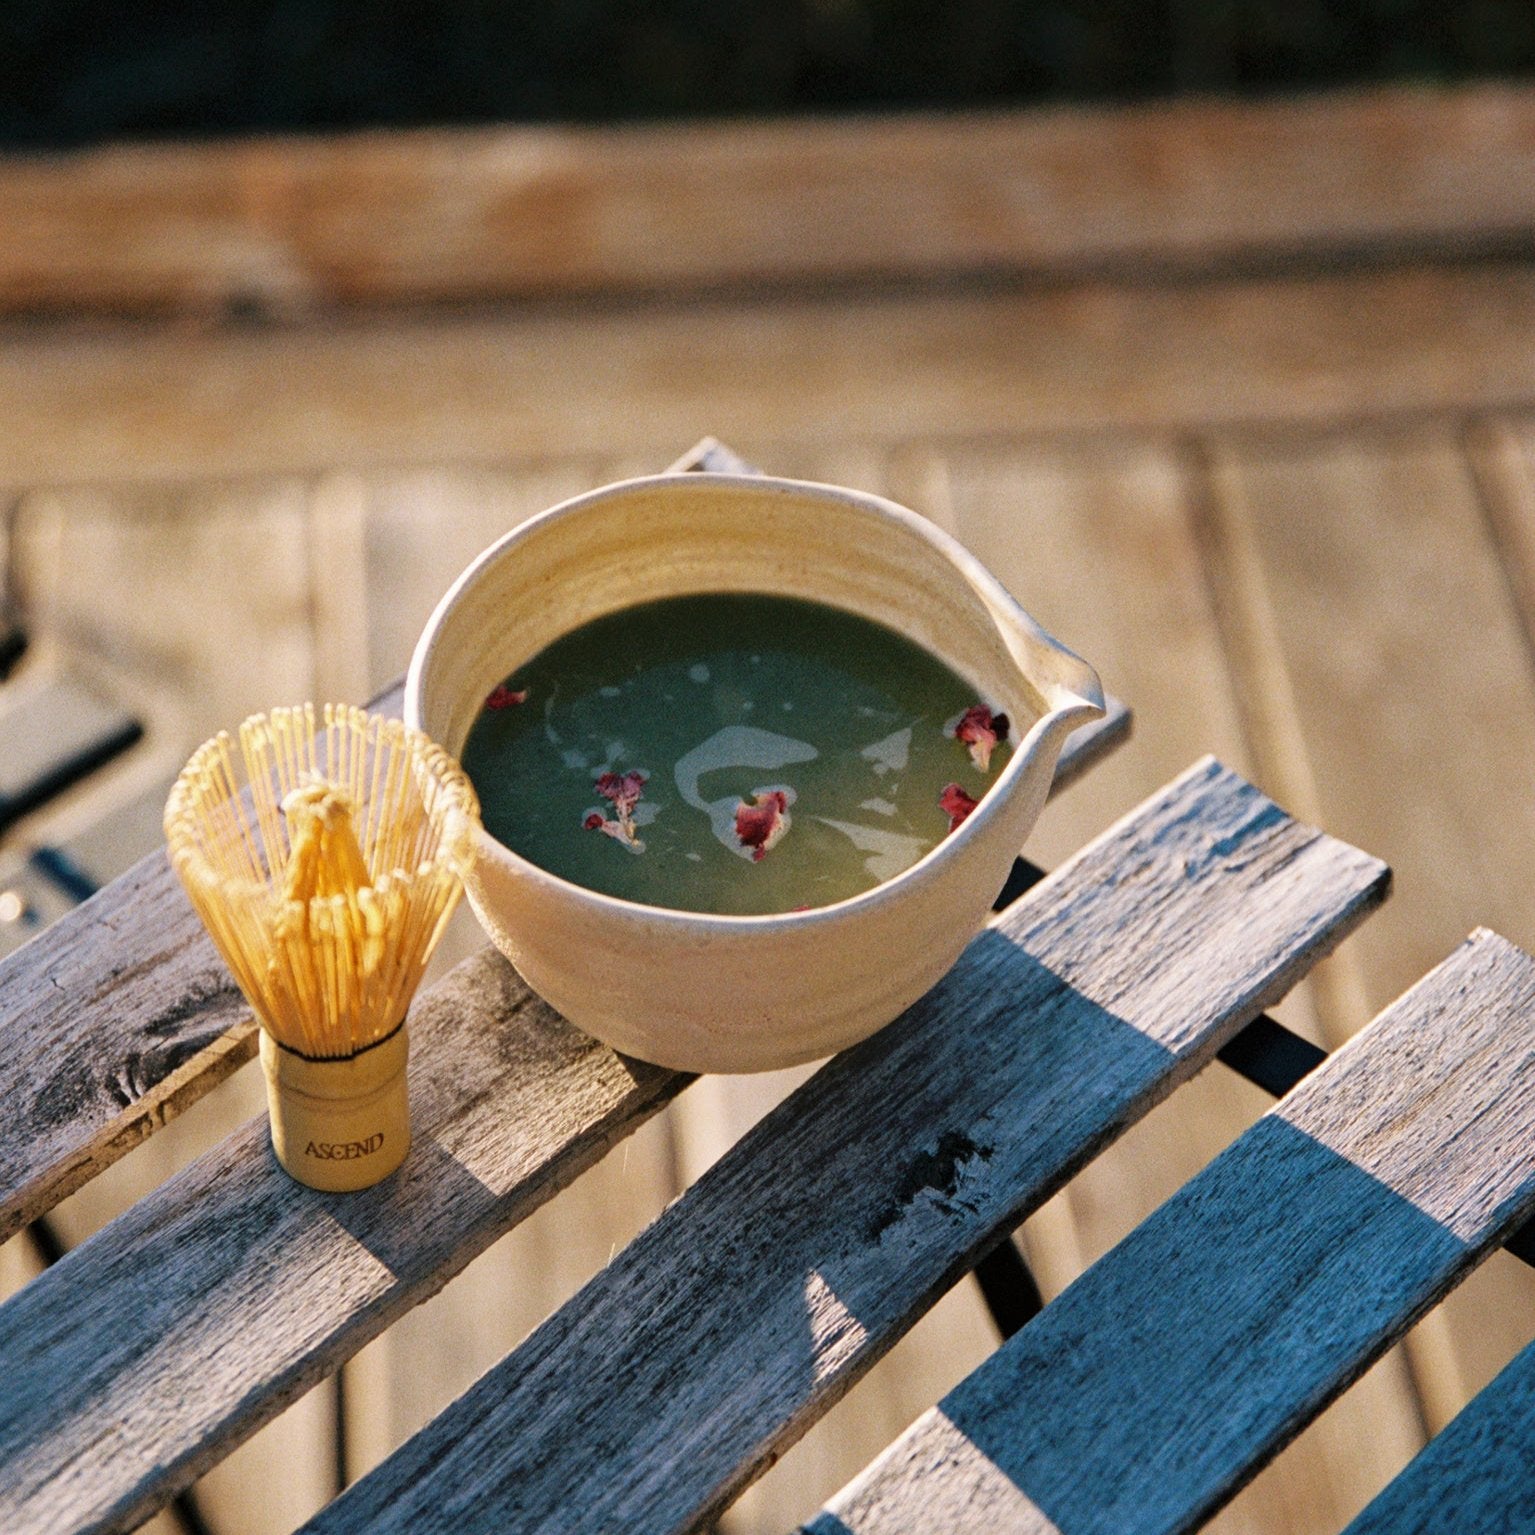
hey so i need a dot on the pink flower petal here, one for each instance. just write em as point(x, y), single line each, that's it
point(624, 790)
point(503, 697)
point(980, 730)
point(760, 826)
point(621, 831)
point(956, 804)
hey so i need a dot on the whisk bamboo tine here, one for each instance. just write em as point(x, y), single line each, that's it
point(274, 843)
point(335, 744)
point(221, 768)
point(351, 749)
point(392, 813)
point(309, 740)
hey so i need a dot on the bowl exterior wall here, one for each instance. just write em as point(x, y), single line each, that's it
point(701, 993)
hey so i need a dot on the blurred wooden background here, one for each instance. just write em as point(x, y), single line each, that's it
point(1238, 400)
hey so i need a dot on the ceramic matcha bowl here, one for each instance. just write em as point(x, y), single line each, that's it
point(665, 985)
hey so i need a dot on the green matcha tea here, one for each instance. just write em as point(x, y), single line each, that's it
point(738, 754)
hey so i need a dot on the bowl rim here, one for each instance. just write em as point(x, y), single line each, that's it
point(1081, 695)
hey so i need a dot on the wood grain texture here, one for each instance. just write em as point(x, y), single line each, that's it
point(756, 1299)
point(284, 225)
point(1391, 617)
point(1475, 1474)
point(431, 1355)
point(540, 382)
point(1501, 451)
point(111, 1021)
point(1136, 1404)
point(128, 1373)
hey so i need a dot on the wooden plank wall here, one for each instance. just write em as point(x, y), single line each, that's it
point(1240, 401)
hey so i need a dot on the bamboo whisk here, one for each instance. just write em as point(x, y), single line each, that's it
point(325, 873)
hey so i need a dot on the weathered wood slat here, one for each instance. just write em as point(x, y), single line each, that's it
point(290, 223)
point(749, 1307)
point(1096, 540)
point(1150, 1390)
point(1432, 653)
point(1475, 1475)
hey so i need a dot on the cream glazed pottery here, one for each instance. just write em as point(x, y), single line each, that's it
point(666, 985)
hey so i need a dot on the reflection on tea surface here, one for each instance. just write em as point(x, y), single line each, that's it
point(738, 754)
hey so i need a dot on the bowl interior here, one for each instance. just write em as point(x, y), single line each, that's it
point(673, 535)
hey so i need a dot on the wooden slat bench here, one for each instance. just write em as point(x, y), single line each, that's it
point(156, 1023)
point(1152, 1389)
point(740, 1316)
point(758, 1298)
point(121, 1015)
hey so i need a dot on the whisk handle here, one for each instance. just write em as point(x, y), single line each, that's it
point(339, 1125)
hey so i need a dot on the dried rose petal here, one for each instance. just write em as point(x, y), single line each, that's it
point(624, 790)
point(503, 697)
point(620, 831)
point(760, 826)
point(980, 730)
point(956, 804)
